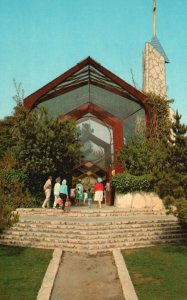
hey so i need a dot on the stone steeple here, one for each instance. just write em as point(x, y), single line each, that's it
point(154, 60)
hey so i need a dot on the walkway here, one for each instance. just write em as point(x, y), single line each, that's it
point(87, 277)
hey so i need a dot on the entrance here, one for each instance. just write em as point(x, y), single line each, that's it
point(96, 138)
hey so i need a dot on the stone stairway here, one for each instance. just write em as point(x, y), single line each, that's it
point(83, 229)
point(85, 211)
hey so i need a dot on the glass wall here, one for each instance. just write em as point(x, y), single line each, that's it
point(130, 111)
point(97, 141)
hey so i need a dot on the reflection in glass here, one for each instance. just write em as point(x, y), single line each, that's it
point(96, 138)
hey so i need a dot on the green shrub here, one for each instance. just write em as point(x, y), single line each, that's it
point(168, 201)
point(127, 183)
point(6, 216)
point(181, 212)
point(12, 189)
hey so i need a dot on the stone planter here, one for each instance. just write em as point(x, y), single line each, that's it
point(138, 200)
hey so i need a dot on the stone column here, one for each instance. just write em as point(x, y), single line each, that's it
point(154, 76)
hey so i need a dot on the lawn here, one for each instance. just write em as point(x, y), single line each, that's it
point(160, 272)
point(22, 271)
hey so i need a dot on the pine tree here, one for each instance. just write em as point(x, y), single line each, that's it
point(179, 146)
point(172, 179)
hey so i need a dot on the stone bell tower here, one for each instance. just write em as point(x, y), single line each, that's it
point(154, 60)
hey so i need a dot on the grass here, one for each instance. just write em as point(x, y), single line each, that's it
point(22, 271)
point(160, 272)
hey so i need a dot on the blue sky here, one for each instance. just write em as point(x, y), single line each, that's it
point(41, 39)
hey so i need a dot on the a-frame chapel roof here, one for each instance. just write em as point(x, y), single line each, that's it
point(88, 71)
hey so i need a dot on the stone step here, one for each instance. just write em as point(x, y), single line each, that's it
point(101, 247)
point(90, 239)
point(89, 231)
point(92, 229)
point(95, 222)
point(86, 235)
point(95, 227)
point(89, 212)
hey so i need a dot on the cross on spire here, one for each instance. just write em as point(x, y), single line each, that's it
point(154, 18)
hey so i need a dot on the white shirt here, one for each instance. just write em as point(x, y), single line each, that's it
point(57, 189)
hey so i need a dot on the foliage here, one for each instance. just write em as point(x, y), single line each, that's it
point(165, 160)
point(172, 181)
point(160, 123)
point(127, 183)
point(181, 211)
point(23, 268)
point(32, 146)
point(178, 140)
point(142, 156)
point(7, 218)
point(12, 184)
point(6, 140)
point(41, 145)
point(46, 146)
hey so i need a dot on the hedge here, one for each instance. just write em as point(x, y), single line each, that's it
point(127, 183)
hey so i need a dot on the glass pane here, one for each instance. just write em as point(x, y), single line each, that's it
point(118, 106)
point(65, 103)
point(134, 125)
point(97, 141)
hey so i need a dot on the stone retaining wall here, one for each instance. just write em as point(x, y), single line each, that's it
point(139, 200)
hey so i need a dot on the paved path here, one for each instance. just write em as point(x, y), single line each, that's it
point(87, 277)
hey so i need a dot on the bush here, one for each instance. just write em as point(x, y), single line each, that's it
point(6, 216)
point(181, 213)
point(12, 189)
point(169, 201)
point(127, 183)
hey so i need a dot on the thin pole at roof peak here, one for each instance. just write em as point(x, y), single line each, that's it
point(154, 18)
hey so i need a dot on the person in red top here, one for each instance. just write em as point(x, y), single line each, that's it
point(98, 189)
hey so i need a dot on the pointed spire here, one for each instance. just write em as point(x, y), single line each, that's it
point(154, 18)
point(155, 41)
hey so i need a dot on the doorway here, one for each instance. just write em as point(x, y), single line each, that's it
point(96, 138)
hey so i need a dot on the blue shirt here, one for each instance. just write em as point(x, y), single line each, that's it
point(64, 189)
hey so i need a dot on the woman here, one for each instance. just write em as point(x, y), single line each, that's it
point(98, 189)
point(56, 190)
point(47, 190)
point(63, 192)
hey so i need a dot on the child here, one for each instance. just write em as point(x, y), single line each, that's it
point(90, 197)
point(85, 196)
point(58, 203)
point(63, 192)
point(79, 192)
point(72, 195)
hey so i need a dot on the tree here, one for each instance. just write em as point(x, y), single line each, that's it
point(165, 160)
point(84, 131)
point(143, 156)
point(178, 140)
point(45, 146)
point(174, 183)
point(6, 140)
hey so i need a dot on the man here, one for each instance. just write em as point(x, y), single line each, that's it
point(47, 190)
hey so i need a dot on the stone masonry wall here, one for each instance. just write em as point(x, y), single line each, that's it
point(154, 77)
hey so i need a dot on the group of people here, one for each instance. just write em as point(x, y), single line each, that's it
point(65, 197)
